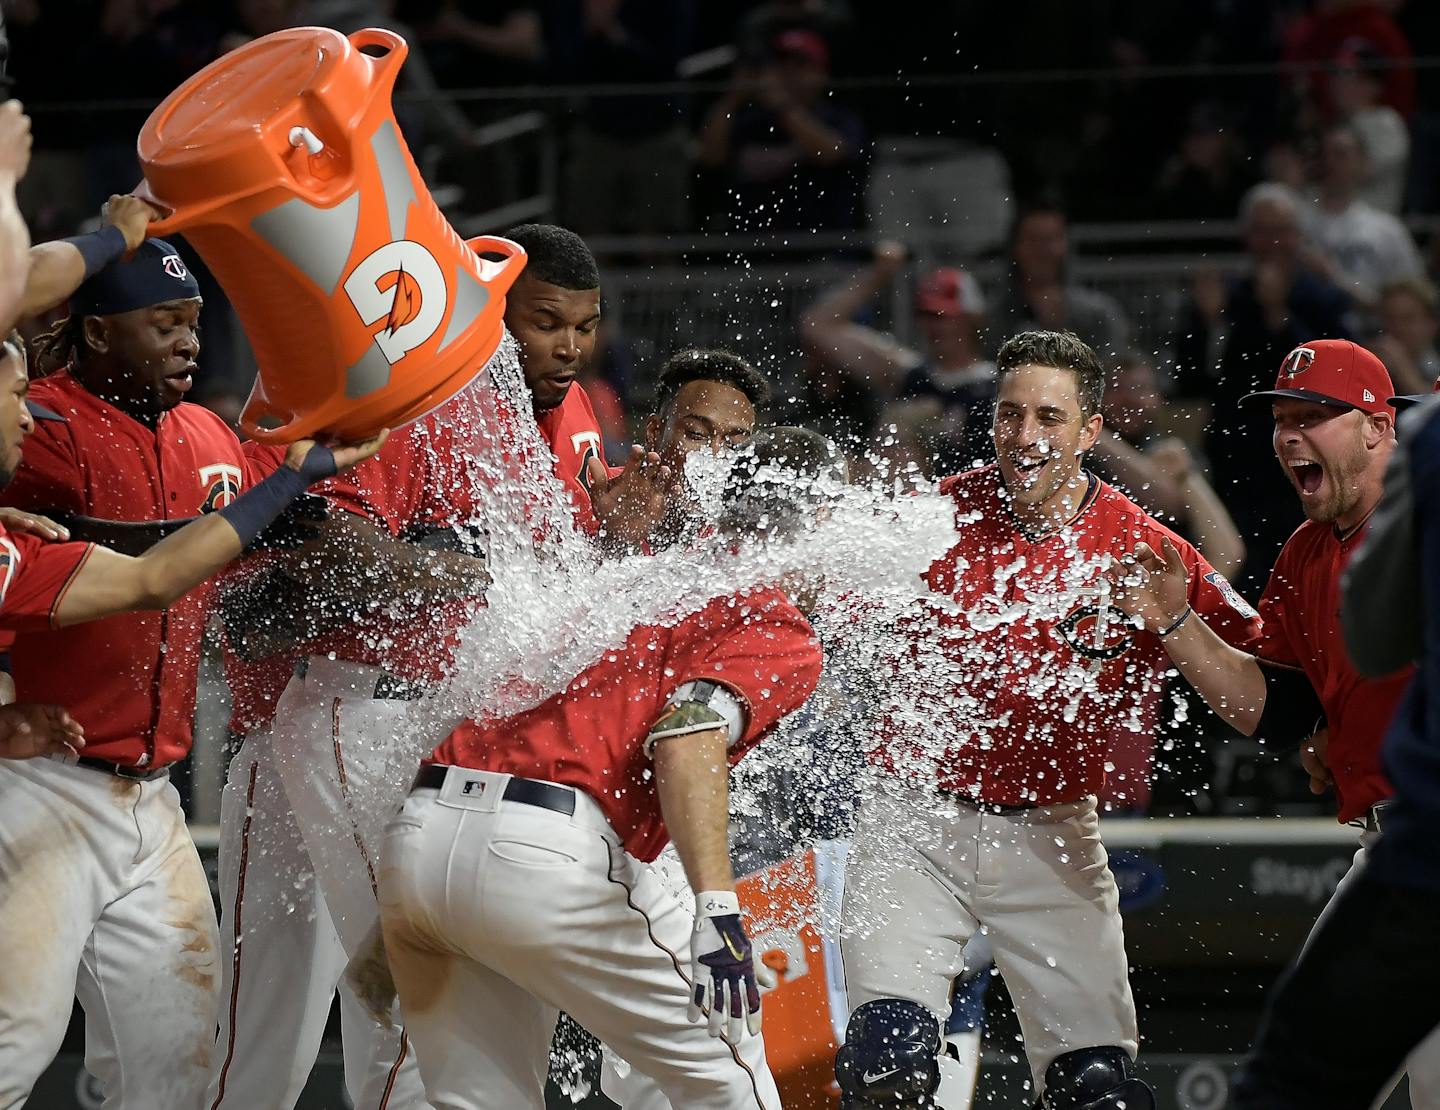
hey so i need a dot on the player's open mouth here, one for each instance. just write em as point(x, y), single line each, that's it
point(1027, 470)
point(182, 381)
point(1308, 475)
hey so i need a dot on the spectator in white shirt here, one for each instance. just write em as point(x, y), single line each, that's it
point(1367, 248)
point(1409, 323)
point(1357, 90)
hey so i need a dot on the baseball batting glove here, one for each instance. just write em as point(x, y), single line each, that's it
point(725, 977)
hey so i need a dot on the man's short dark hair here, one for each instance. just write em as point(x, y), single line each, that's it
point(778, 479)
point(557, 256)
point(708, 364)
point(1063, 350)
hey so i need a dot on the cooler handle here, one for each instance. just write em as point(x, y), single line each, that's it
point(499, 276)
point(396, 48)
point(165, 223)
point(256, 409)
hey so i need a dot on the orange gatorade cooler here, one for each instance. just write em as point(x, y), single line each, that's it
point(781, 911)
point(282, 164)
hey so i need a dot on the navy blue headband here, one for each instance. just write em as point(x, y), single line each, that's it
point(155, 275)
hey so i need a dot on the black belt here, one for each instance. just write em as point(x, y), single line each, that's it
point(120, 770)
point(980, 805)
point(560, 799)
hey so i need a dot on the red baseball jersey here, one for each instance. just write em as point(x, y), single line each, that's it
point(418, 479)
point(573, 433)
point(128, 679)
point(592, 735)
point(1028, 675)
point(1301, 608)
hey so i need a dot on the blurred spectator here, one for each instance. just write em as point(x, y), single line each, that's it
point(947, 390)
point(606, 377)
point(480, 43)
point(1231, 341)
point(1356, 89)
point(1041, 294)
point(1368, 248)
point(628, 166)
point(790, 157)
point(1159, 474)
point(768, 20)
point(949, 199)
point(1206, 177)
point(1409, 322)
point(1321, 38)
point(1156, 470)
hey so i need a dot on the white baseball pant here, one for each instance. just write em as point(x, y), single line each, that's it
point(497, 915)
point(1422, 1066)
point(924, 874)
point(102, 896)
point(282, 958)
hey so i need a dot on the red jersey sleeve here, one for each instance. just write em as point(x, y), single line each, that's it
point(34, 576)
point(761, 649)
point(1218, 603)
point(386, 487)
point(50, 477)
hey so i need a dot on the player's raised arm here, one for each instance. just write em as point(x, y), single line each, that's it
point(59, 267)
point(1157, 590)
point(109, 583)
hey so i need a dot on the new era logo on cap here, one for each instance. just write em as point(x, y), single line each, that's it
point(1332, 372)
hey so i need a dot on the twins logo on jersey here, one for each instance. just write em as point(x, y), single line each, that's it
point(1096, 634)
point(1297, 362)
point(223, 482)
point(588, 446)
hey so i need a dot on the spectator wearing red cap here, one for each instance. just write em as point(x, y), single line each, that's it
point(787, 155)
point(1334, 434)
point(945, 392)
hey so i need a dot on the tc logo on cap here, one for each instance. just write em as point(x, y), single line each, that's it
point(1297, 362)
point(174, 267)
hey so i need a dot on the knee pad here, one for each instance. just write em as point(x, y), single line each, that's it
point(1095, 1079)
point(890, 1058)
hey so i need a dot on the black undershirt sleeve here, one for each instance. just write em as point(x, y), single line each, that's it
point(1292, 711)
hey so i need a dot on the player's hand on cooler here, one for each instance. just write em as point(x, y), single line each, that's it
point(131, 215)
point(315, 461)
point(29, 729)
point(368, 974)
point(14, 141)
point(18, 520)
point(1153, 588)
point(723, 968)
point(1314, 758)
point(630, 504)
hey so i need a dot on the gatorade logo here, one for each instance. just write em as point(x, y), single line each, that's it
point(401, 287)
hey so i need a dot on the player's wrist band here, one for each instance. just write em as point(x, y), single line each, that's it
point(1181, 619)
point(256, 509)
point(99, 248)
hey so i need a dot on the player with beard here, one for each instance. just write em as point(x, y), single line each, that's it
point(1334, 435)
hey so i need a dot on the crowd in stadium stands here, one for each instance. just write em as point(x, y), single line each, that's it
point(794, 115)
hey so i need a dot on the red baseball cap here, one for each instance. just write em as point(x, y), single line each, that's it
point(949, 292)
point(1405, 400)
point(800, 43)
point(1333, 372)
